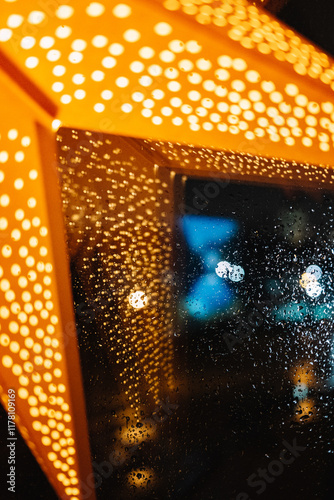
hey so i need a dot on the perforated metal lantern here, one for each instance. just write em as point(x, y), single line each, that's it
point(207, 87)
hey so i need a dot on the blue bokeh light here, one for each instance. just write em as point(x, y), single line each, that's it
point(205, 236)
point(207, 296)
point(201, 231)
point(210, 259)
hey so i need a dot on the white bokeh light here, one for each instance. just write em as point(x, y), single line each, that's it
point(138, 299)
point(315, 271)
point(313, 289)
point(236, 274)
point(222, 269)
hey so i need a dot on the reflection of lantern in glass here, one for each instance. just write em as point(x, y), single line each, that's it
point(141, 478)
point(138, 433)
point(303, 373)
point(305, 411)
point(138, 299)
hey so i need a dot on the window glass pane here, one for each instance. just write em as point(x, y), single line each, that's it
point(204, 311)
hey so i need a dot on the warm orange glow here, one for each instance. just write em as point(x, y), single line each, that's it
point(132, 230)
point(303, 374)
point(142, 478)
point(33, 348)
point(305, 411)
point(246, 82)
point(245, 94)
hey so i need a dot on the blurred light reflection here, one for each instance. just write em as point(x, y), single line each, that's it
point(208, 296)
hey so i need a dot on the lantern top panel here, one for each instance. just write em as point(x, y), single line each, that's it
point(226, 75)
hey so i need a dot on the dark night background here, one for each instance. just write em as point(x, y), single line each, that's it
point(312, 18)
